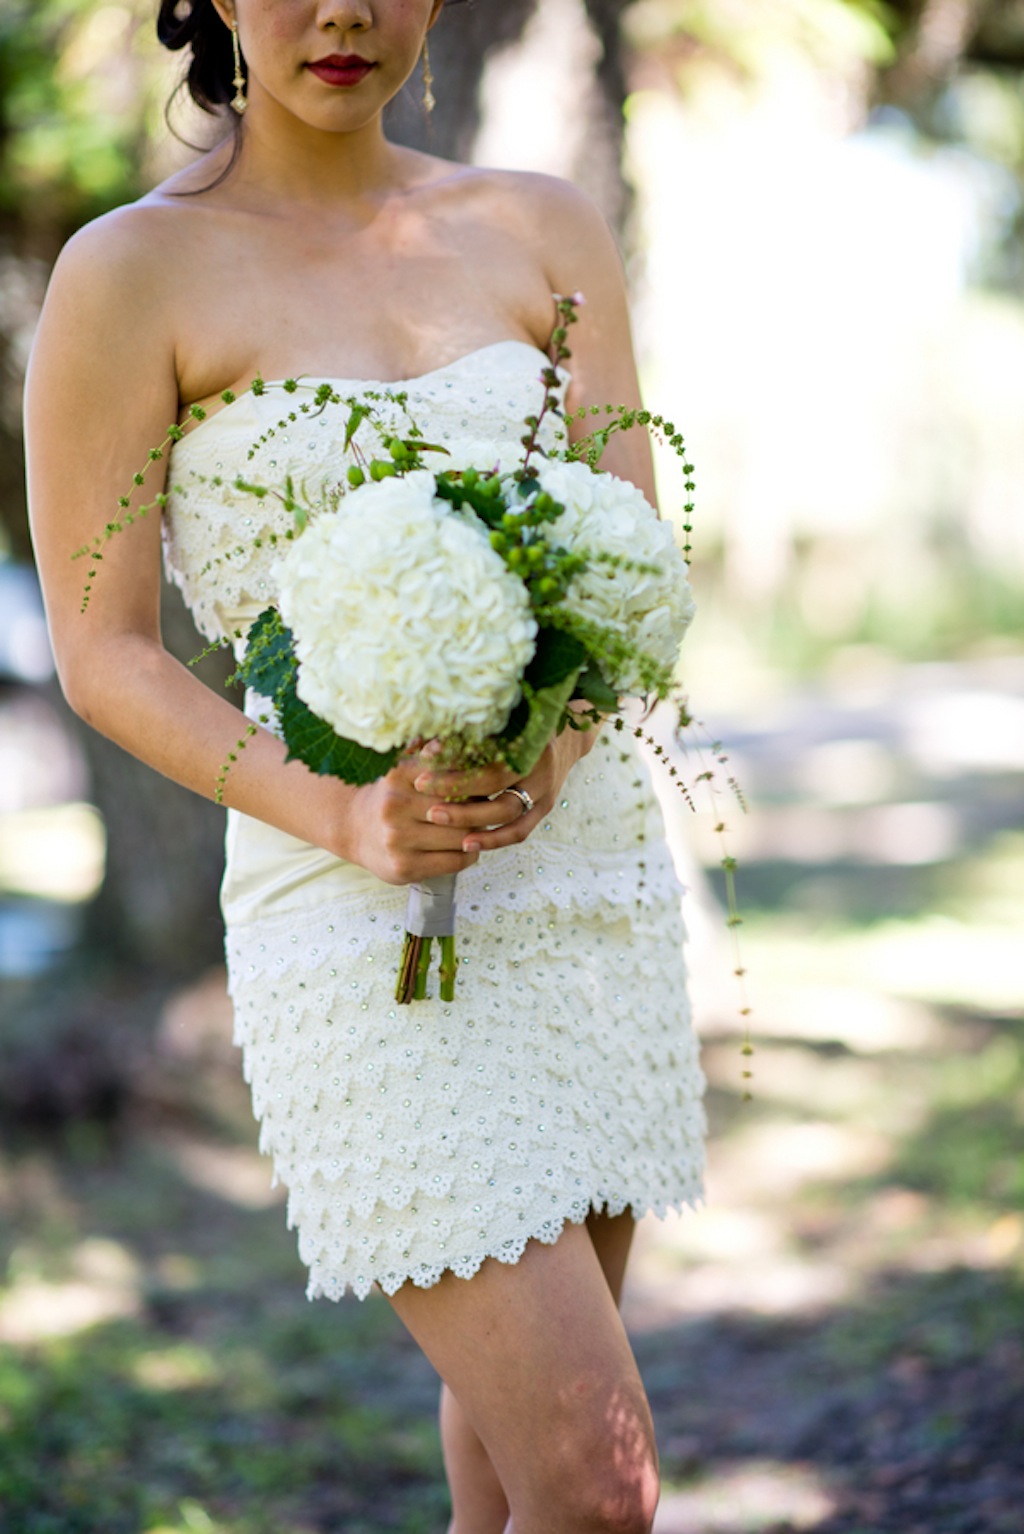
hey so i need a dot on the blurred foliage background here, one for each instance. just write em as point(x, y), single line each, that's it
point(821, 203)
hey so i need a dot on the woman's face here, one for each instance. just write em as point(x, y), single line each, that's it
point(332, 63)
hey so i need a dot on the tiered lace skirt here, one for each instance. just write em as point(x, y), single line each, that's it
point(564, 1076)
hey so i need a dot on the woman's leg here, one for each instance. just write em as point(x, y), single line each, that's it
point(479, 1504)
point(537, 1358)
point(612, 1235)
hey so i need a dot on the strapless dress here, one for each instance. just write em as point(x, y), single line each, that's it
point(564, 1076)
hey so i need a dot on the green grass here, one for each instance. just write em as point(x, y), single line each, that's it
point(222, 1394)
point(266, 1427)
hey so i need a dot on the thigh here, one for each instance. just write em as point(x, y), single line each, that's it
point(612, 1235)
point(538, 1359)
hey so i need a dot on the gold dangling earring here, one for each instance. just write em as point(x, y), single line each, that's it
point(429, 99)
point(239, 100)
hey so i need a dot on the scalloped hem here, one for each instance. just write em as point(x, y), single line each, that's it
point(425, 1276)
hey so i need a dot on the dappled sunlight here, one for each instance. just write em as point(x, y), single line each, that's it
point(1005, 1239)
point(795, 1076)
point(893, 834)
point(237, 1173)
point(620, 1444)
point(736, 1257)
point(774, 1159)
point(766, 1286)
point(849, 771)
point(194, 1519)
point(794, 1003)
point(178, 1273)
point(947, 960)
point(960, 730)
point(104, 1284)
point(745, 1497)
point(886, 975)
point(182, 1367)
point(53, 853)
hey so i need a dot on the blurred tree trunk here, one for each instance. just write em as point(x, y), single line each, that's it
point(158, 908)
point(935, 43)
point(606, 130)
point(460, 46)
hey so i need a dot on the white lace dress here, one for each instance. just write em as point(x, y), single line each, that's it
point(564, 1076)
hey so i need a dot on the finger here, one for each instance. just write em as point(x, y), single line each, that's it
point(455, 786)
point(424, 837)
point(476, 814)
point(502, 836)
point(429, 865)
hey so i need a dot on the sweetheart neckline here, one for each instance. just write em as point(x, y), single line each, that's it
point(311, 381)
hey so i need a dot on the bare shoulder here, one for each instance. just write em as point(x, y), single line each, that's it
point(107, 337)
point(553, 215)
point(123, 257)
point(536, 196)
point(568, 237)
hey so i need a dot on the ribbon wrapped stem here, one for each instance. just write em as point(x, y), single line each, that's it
point(430, 913)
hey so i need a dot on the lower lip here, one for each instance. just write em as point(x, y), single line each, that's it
point(332, 74)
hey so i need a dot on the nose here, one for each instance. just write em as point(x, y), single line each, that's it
point(345, 15)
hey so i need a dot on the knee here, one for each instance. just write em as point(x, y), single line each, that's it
point(621, 1499)
point(604, 1480)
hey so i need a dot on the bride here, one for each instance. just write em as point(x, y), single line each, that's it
point(481, 1163)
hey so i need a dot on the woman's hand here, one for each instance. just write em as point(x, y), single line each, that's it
point(420, 821)
point(478, 808)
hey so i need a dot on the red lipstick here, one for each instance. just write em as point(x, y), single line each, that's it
point(341, 68)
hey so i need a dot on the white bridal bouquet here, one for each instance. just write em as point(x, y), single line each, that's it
point(481, 604)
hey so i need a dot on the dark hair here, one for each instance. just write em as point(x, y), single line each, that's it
point(195, 24)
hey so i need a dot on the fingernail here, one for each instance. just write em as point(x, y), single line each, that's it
point(422, 783)
point(471, 846)
point(439, 817)
point(432, 748)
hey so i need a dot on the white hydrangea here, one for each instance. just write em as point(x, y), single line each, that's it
point(606, 514)
point(406, 621)
point(487, 454)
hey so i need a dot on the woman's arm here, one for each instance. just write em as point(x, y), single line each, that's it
point(102, 390)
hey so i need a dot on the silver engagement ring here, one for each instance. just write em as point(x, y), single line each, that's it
point(522, 795)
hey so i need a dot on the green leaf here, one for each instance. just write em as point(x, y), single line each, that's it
point(269, 668)
point(546, 707)
point(517, 722)
point(355, 420)
point(593, 687)
point(557, 654)
point(269, 664)
point(311, 740)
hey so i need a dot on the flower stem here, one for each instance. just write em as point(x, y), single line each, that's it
point(449, 963)
point(420, 988)
point(408, 969)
